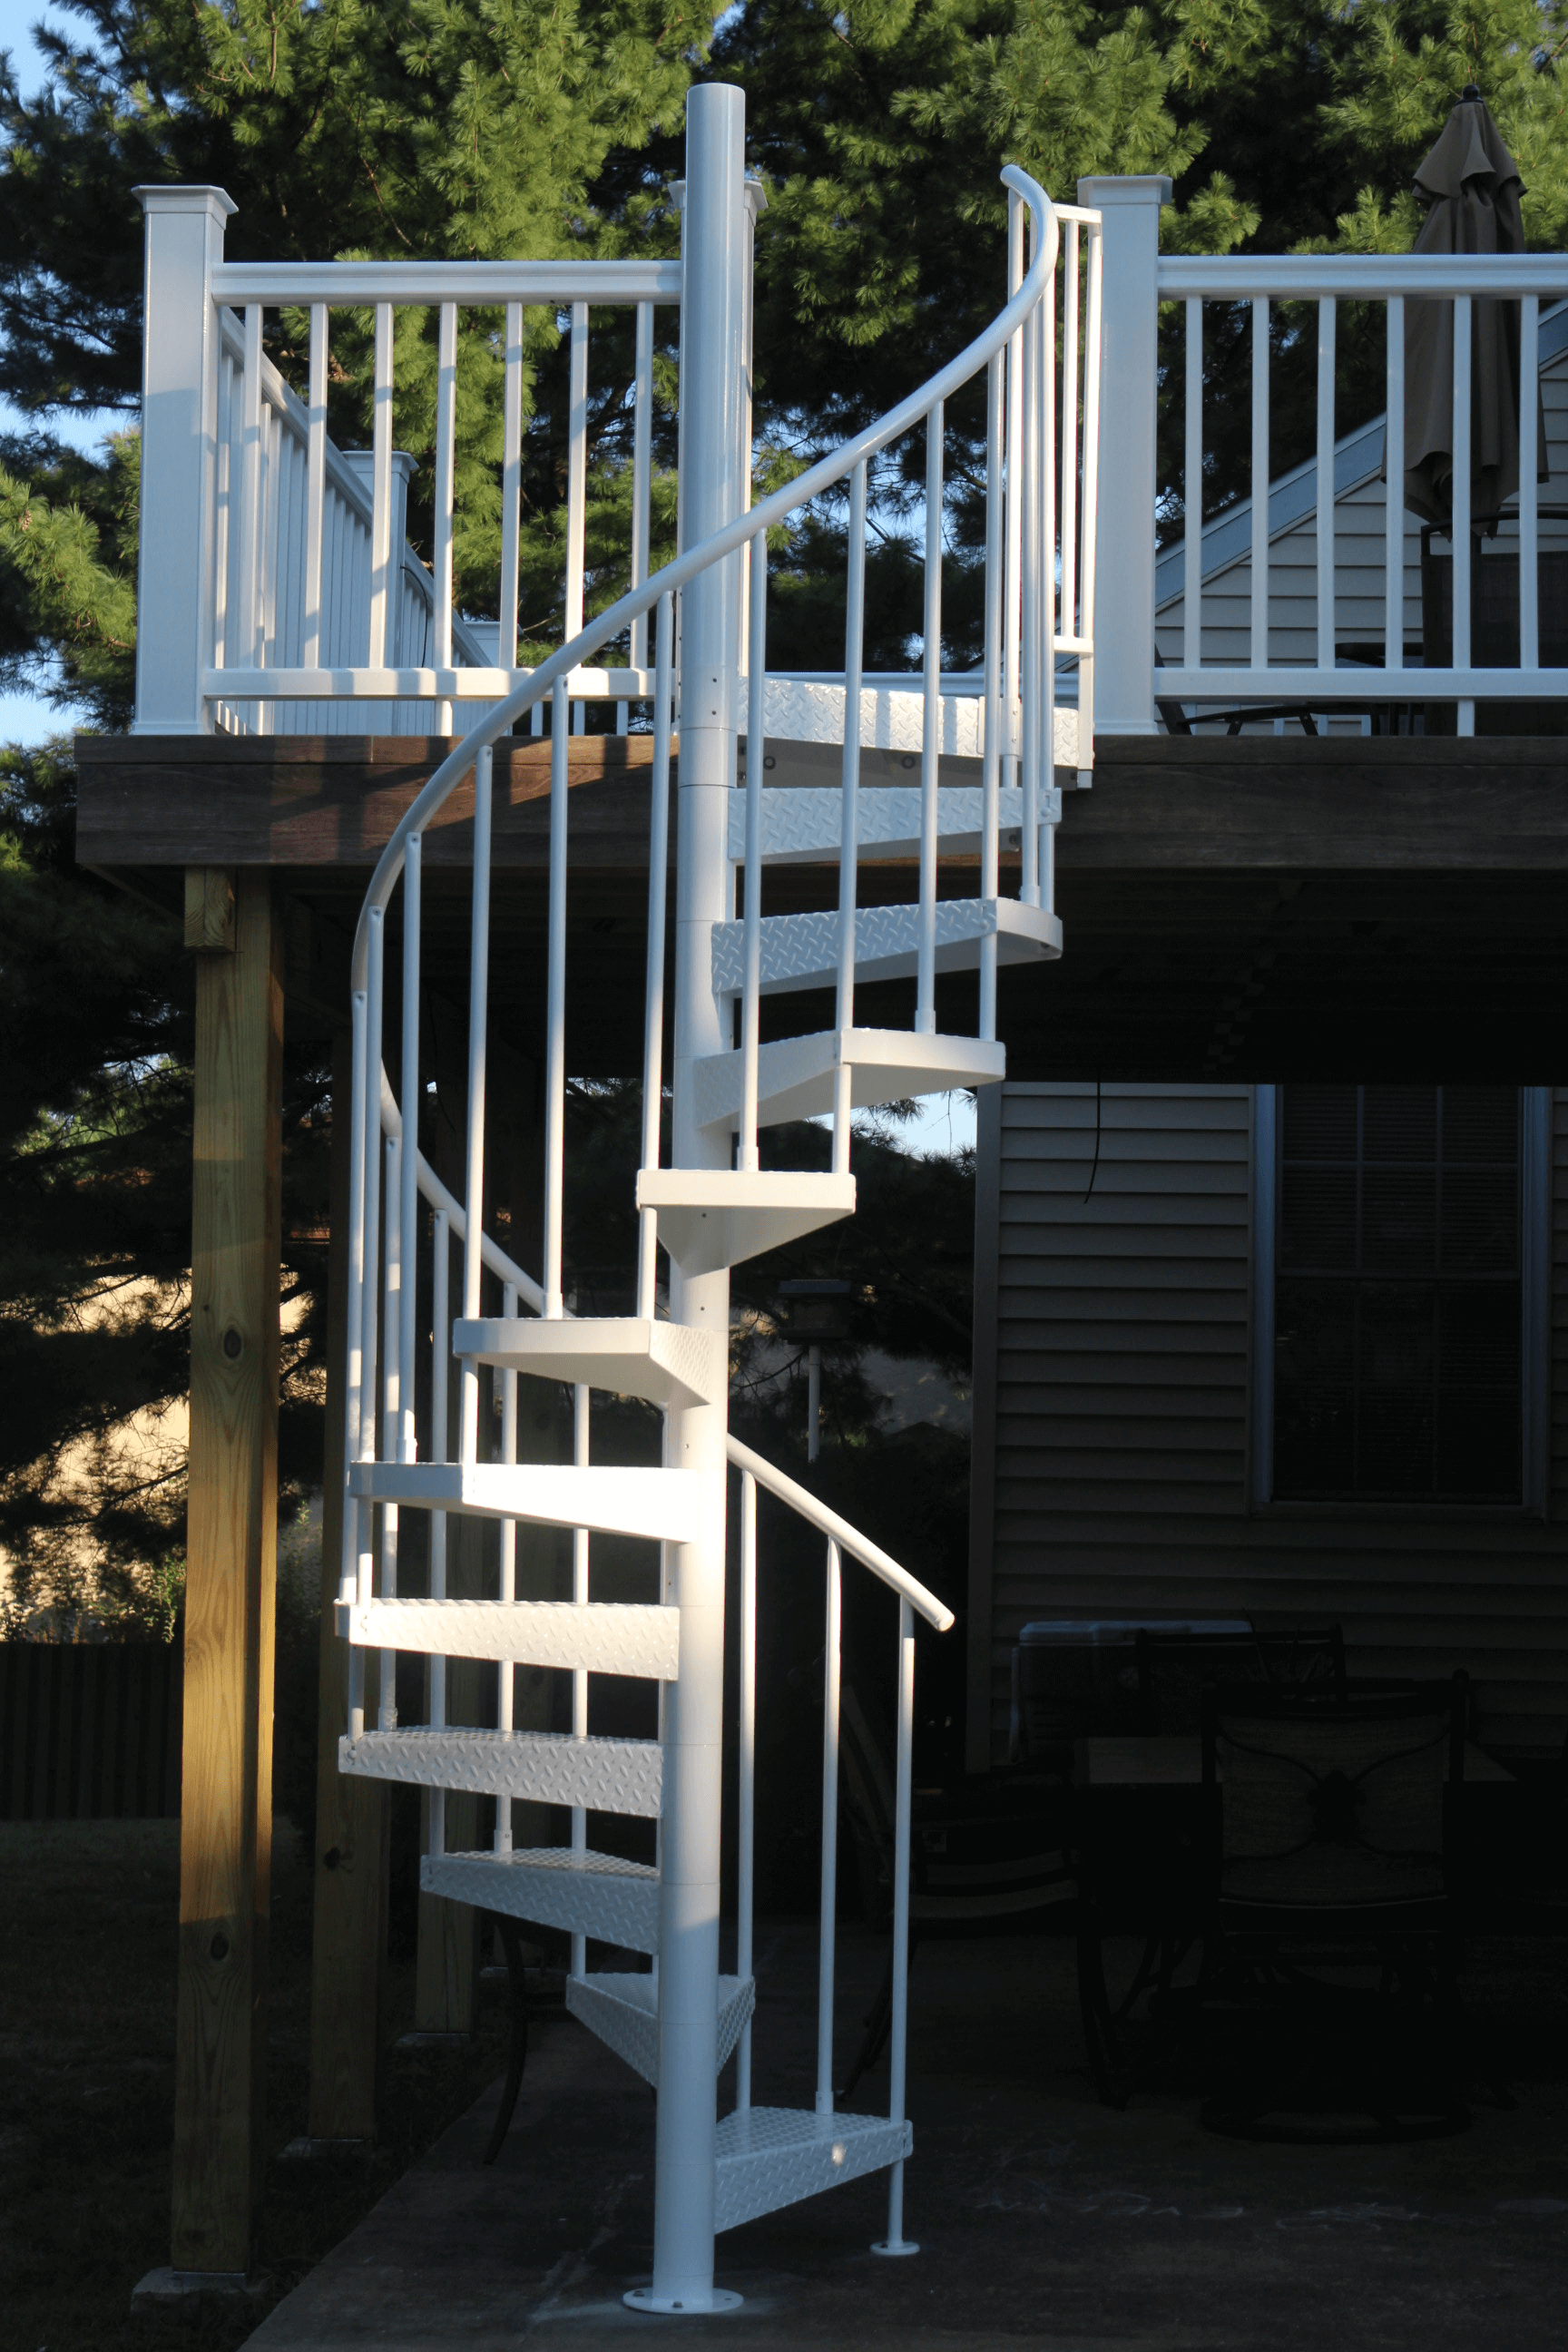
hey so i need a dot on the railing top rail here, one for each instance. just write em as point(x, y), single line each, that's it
point(1360, 276)
point(549, 285)
point(1083, 214)
point(828, 470)
point(848, 1539)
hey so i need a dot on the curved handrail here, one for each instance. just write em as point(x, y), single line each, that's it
point(839, 1531)
point(735, 535)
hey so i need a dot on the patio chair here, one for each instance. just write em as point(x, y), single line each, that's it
point(1337, 1819)
point(1174, 1665)
point(977, 1867)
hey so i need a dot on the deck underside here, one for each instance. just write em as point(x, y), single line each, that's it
point(1244, 907)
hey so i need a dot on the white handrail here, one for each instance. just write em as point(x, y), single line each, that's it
point(615, 617)
point(839, 1531)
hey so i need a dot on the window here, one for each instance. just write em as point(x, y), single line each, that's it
point(1397, 1305)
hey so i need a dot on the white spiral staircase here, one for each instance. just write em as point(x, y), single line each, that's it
point(714, 1205)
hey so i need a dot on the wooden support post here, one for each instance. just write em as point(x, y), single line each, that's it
point(231, 1564)
point(348, 1961)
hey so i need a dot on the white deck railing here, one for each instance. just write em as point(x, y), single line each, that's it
point(1138, 281)
point(278, 590)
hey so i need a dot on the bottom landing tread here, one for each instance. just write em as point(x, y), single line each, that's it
point(769, 2157)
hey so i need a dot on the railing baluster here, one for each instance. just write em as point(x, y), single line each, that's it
point(990, 843)
point(355, 1513)
point(849, 832)
point(1090, 509)
point(474, 1184)
point(376, 941)
point(747, 1736)
point(1327, 322)
point(1031, 596)
point(1257, 656)
point(445, 469)
point(315, 488)
point(386, 1718)
point(653, 989)
point(576, 477)
point(555, 1009)
point(931, 727)
point(1461, 633)
point(1529, 501)
point(440, 1449)
point(1012, 571)
point(642, 473)
point(382, 574)
point(249, 598)
point(1193, 493)
point(896, 2243)
point(1393, 494)
point(830, 1693)
point(750, 995)
point(1046, 593)
point(511, 486)
point(506, 1674)
point(580, 1455)
point(1070, 436)
point(408, 1207)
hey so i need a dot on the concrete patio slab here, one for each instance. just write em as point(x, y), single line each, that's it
point(1045, 2219)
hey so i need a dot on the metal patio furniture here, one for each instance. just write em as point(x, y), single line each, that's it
point(1338, 1823)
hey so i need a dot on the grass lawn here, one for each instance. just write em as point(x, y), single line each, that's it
point(87, 1925)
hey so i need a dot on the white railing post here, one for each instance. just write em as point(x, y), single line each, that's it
point(175, 583)
point(715, 243)
point(1124, 522)
point(827, 1927)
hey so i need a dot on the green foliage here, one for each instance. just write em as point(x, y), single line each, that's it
point(67, 579)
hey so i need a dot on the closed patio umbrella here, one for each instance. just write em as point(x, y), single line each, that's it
point(1472, 185)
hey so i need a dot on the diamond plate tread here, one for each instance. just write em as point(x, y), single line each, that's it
point(602, 1637)
point(664, 1504)
point(608, 1776)
point(801, 950)
point(795, 1075)
point(893, 718)
point(666, 1363)
point(623, 2011)
point(590, 1893)
point(713, 1217)
point(804, 822)
point(769, 2157)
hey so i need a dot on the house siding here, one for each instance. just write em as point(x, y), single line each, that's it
point(1113, 1378)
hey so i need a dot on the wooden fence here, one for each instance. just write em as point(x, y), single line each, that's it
point(89, 1730)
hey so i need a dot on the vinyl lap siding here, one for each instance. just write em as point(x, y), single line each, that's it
point(1115, 1455)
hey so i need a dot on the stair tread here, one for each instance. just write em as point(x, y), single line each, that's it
point(803, 823)
point(714, 1217)
point(765, 2157)
point(795, 1075)
point(614, 1500)
point(606, 1637)
point(622, 2009)
point(608, 1776)
point(801, 950)
point(664, 1363)
point(591, 1894)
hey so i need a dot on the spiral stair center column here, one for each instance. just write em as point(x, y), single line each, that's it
point(712, 396)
